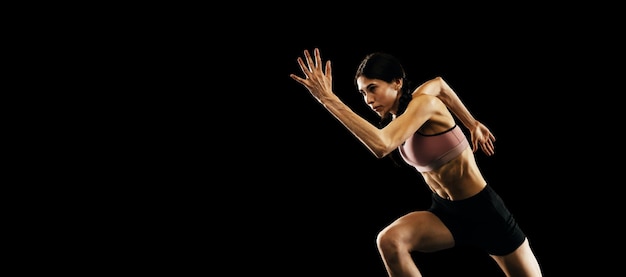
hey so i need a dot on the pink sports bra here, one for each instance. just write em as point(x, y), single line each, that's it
point(428, 152)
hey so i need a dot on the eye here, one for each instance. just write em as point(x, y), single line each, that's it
point(371, 89)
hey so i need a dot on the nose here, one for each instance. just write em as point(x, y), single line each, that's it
point(369, 98)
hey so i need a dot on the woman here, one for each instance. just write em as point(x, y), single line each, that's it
point(419, 124)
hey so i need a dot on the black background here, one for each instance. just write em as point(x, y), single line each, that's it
point(344, 195)
point(255, 177)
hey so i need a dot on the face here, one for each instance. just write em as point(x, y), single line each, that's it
point(379, 95)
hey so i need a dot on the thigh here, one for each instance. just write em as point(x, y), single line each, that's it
point(521, 262)
point(421, 230)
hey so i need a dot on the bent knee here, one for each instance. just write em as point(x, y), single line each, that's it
point(421, 231)
point(391, 239)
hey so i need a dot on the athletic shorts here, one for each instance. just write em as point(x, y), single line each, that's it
point(481, 220)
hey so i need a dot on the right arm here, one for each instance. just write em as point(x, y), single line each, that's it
point(480, 134)
point(380, 142)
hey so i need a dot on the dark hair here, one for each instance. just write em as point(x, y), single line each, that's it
point(386, 67)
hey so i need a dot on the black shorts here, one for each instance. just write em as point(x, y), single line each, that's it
point(481, 220)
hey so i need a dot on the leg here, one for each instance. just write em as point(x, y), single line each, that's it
point(521, 262)
point(416, 231)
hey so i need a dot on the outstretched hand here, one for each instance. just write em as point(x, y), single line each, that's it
point(481, 136)
point(316, 80)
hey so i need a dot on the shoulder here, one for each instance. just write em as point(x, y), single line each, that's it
point(427, 103)
point(425, 99)
point(424, 104)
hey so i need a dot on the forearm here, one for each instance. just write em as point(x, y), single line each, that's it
point(367, 133)
point(454, 103)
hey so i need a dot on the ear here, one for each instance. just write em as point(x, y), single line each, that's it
point(397, 84)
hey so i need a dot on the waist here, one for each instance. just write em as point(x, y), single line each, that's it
point(459, 178)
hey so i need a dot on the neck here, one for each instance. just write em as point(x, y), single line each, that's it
point(396, 105)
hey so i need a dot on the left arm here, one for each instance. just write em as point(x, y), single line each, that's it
point(480, 134)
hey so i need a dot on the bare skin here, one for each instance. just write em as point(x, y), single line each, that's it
point(428, 112)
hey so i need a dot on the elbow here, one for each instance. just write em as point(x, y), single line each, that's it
point(381, 146)
point(441, 89)
point(432, 87)
point(379, 155)
point(381, 152)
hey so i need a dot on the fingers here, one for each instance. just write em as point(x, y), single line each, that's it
point(297, 78)
point(310, 63)
point(488, 150)
point(329, 70)
point(488, 147)
point(309, 60)
point(313, 62)
point(304, 70)
point(309, 66)
point(318, 57)
point(303, 67)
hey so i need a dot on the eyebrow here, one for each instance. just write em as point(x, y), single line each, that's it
point(367, 87)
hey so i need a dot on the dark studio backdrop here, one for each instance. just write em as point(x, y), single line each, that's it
point(264, 181)
point(345, 196)
point(326, 197)
point(334, 196)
